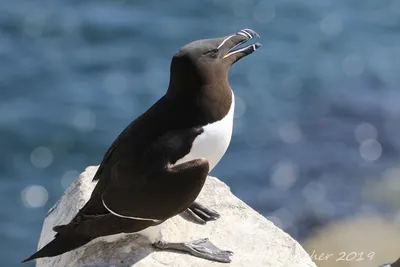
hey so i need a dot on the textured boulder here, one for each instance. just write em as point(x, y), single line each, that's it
point(255, 241)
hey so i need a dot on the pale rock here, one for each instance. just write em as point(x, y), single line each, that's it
point(255, 241)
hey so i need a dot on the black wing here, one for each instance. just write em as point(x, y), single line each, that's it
point(151, 189)
point(157, 196)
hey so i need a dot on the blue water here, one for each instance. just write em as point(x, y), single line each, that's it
point(317, 114)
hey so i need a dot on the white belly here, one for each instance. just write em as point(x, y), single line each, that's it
point(214, 141)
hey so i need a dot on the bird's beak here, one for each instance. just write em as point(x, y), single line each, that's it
point(230, 44)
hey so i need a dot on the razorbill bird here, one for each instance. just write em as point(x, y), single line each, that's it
point(157, 166)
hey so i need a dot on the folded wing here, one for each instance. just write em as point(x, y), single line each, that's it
point(158, 190)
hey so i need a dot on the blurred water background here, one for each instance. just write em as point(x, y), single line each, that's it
point(317, 123)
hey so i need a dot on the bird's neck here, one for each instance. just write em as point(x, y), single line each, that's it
point(212, 101)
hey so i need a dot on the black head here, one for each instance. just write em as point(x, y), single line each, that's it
point(205, 63)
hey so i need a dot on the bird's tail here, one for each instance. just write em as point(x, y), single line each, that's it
point(59, 245)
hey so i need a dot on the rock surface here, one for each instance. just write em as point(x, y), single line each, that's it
point(255, 241)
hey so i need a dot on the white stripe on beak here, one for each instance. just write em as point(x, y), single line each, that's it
point(248, 34)
point(243, 34)
point(240, 50)
point(226, 39)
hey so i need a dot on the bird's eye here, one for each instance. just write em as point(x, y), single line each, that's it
point(212, 52)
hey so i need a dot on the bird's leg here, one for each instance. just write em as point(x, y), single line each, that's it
point(200, 214)
point(201, 248)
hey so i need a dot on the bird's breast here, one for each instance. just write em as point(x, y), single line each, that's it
point(214, 141)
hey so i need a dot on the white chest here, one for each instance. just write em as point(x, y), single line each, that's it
point(214, 141)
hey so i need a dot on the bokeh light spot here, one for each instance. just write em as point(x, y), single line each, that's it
point(84, 120)
point(314, 192)
point(275, 220)
point(331, 25)
point(240, 107)
point(365, 131)
point(264, 11)
point(34, 196)
point(41, 157)
point(370, 150)
point(284, 175)
point(290, 132)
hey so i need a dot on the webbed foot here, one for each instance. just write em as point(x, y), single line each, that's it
point(202, 248)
